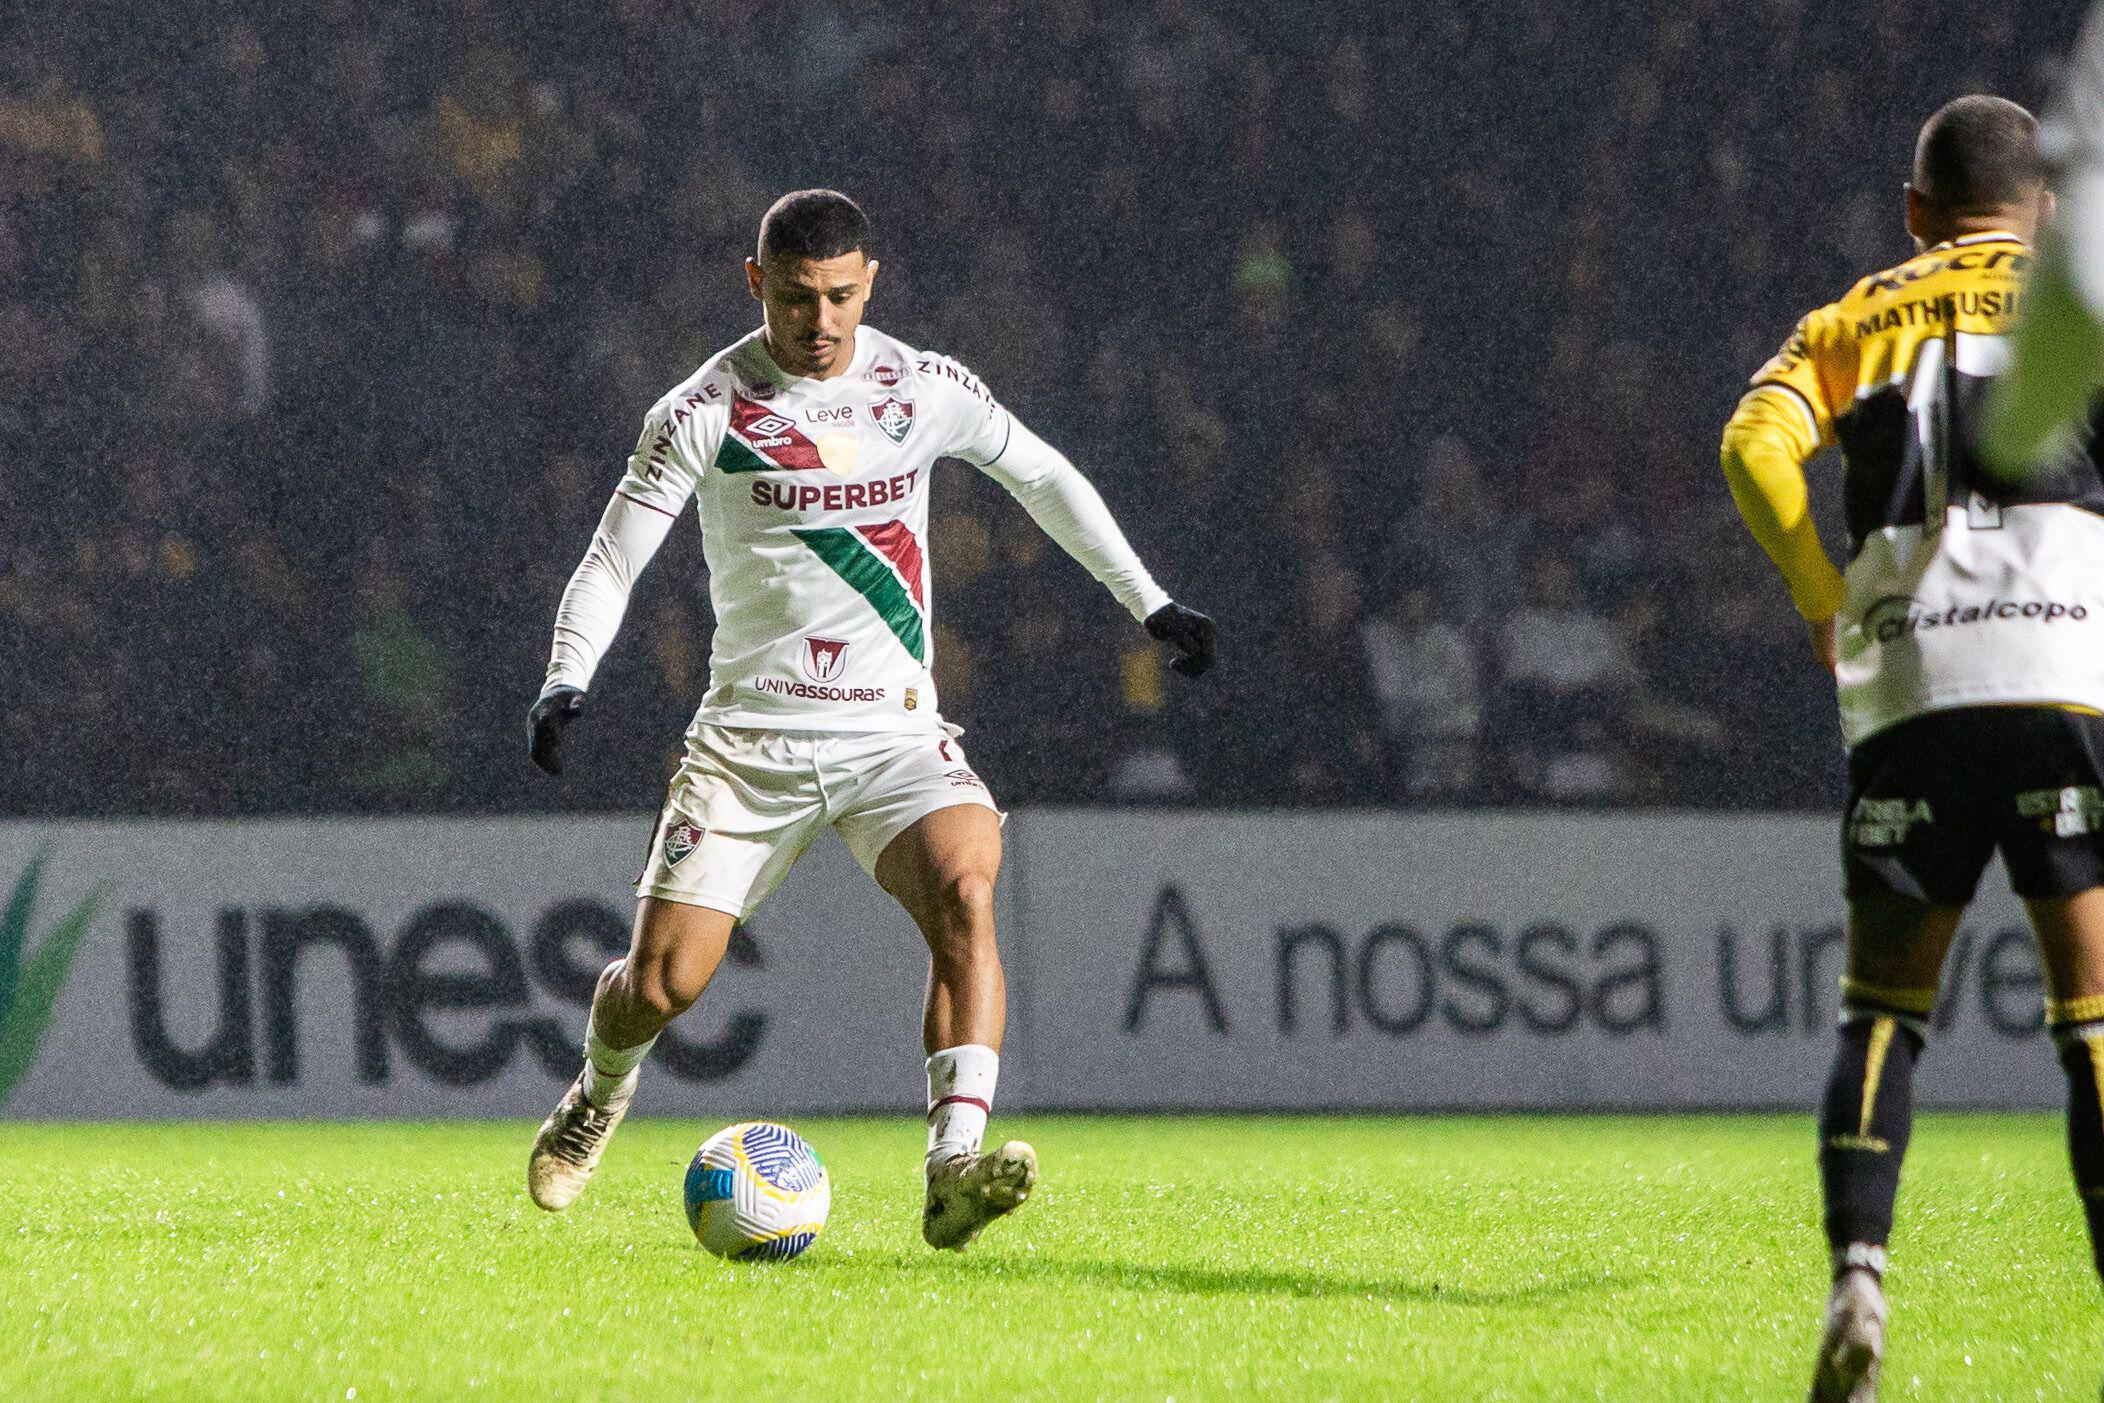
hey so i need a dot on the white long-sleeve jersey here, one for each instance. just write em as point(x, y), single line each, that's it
point(813, 502)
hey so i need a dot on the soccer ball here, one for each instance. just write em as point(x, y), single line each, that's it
point(757, 1192)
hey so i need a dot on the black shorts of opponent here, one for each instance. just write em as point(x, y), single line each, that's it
point(1932, 798)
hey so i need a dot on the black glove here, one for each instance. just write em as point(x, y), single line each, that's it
point(545, 724)
point(1188, 632)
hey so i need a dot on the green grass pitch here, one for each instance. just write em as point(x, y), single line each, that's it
point(1358, 1258)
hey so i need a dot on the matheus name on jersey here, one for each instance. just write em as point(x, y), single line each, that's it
point(1960, 590)
point(813, 499)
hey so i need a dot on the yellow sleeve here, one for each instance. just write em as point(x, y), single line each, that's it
point(1766, 445)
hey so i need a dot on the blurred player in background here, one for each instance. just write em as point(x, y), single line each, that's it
point(1967, 642)
point(807, 448)
point(2058, 366)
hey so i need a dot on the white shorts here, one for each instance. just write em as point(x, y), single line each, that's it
point(746, 803)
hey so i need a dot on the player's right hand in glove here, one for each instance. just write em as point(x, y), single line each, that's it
point(1189, 632)
point(545, 724)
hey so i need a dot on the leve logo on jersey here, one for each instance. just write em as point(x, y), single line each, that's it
point(822, 658)
point(895, 417)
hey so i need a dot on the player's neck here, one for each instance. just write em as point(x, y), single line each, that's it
point(1966, 226)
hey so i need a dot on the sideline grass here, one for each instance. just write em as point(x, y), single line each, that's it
point(1432, 1258)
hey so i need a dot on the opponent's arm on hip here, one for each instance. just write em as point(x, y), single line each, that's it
point(1770, 438)
point(1067, 507)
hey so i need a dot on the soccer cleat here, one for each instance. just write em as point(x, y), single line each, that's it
point(570, 1142)
point(966, 1192)
point(1854, 1346)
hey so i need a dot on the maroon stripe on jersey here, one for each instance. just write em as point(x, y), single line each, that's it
point(896, 543)
point(776, 435)
point(652, 505)
point(986, 1106)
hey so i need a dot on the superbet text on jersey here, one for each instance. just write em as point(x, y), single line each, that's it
point(813, 499)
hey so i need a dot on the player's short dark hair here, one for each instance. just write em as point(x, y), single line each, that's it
point(1978, 153)
point(814, 224)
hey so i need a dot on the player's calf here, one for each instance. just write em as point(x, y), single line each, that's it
point(1865, 1121)
point(2078, 1033)
point(1867, 1115)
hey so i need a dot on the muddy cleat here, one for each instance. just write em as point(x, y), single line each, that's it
point(967, 1192)
point(1854, 1345)
point(571, 1140)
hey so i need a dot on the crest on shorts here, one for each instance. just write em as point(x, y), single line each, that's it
point(681, 838)
point(822, 658)
point(894, 416)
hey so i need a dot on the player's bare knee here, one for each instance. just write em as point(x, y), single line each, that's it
point(661, 988)
point(966, 901)
point(959, 919)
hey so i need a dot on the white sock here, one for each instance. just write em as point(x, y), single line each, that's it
point(608, 1069)
point(960, 1097)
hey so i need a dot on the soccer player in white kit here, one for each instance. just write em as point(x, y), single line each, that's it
point(807, 447)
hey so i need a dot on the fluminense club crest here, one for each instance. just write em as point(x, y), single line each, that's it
point(895, 417)
point(682, 837)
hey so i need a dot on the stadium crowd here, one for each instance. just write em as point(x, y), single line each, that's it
point(1398, 337)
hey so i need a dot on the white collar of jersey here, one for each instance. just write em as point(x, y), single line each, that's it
point(856, 362)
point(1990, 236)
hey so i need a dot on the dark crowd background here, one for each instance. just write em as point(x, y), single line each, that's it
point(1399, 337)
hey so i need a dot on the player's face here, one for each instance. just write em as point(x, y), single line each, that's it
point(813, 307)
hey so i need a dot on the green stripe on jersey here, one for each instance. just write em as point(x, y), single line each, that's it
point(871, 578)
point(735, 457)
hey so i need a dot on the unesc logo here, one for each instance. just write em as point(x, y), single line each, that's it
point(822, 658)
point(30, 981)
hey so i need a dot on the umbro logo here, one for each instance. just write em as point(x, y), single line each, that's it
point(769, 426)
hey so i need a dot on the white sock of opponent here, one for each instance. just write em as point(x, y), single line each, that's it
point(960, 1098)
point(607, 1070)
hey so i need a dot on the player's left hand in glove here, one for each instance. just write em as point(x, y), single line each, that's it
point(545, 724)
point(1189, 632)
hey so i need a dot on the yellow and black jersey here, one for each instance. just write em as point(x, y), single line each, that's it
point(1960, 590)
